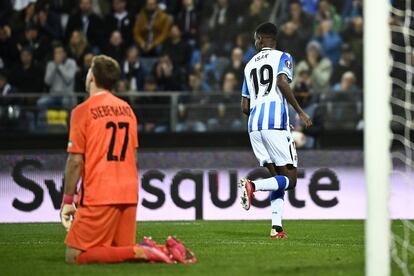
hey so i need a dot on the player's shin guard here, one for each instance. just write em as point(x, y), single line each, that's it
point(276, 183)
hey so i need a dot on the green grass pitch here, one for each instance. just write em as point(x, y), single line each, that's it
point(222, 248)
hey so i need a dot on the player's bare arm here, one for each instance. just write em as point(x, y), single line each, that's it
point(245, 105)
point(73, 171)
point(283, 85)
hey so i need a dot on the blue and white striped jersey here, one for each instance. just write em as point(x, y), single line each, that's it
point(268, 107)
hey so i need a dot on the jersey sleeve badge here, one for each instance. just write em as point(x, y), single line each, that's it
point(288, 64)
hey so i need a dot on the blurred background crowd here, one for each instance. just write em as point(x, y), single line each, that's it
point(182, 61)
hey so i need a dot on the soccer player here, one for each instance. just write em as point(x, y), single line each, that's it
point(102, 151)
point(265, 97)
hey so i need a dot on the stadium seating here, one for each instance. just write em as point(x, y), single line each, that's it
point(197, 61)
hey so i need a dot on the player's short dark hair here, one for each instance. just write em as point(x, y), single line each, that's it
point(106, 71)
point(267, 29)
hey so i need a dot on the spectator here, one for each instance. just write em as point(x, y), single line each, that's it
point(39, 45)
point(320, 67)
point(330, 41)
point(289, 41)
point(230, 84)
point(129, 96)
point(205, 53)
point(120, 20)
point(310, 6)
point(191, 123)
point(60, 78)
point(5, 87)
point(347, 62)
point(78, 47)
point(327, 12)
point(258, 12)
point(151, 28)
point(167, 75)
point(347, 84)
point(303, 92)
point(204, 62)
point(132, 69)
point(179, 50)
point(122, 87)
point(353, 35)
point(80, 77)
point(88, 22)
point(351, 9)
point(150, 84)
point(303, 22)
point(9, 53)
point(223, 122)
point(209, 81)
point(49, 24)
point(236, 66)
point(226, 120)
point(116, 47)
point(27, 76)
point(20, 19)
point(279, 11)
point(10, 110)
point(184, 124)
point(188, 20)
point(221, 26)
point(302, 88)
point(243, 41)
point(195, 85)
point(195, 82)
point(153, 110)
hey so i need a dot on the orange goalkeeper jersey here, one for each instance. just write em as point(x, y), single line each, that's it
point(104, 130)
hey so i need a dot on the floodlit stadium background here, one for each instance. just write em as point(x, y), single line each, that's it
point(185, 89)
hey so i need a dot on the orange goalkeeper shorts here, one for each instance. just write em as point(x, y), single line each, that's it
point(105, 225)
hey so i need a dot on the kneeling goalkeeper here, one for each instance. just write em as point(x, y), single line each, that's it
point(102, 151)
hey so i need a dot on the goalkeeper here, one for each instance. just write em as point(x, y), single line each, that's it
point(102, 151)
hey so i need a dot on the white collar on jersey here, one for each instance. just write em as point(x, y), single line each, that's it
point(266, 48)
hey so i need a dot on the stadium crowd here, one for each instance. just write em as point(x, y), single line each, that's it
point(193, 46)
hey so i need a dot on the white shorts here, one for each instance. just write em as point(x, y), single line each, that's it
point(274, 146)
